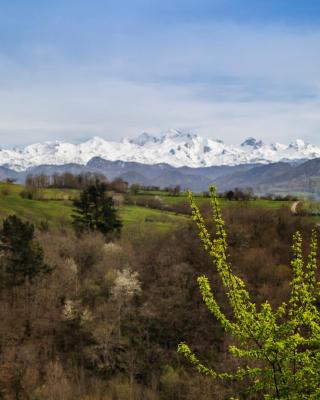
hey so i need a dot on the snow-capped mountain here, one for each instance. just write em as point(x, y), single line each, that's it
point(175, 148)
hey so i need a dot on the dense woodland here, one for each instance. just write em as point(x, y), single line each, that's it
point(102, 317)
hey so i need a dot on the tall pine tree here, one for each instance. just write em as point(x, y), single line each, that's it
point(22, 256)
point(95, 211)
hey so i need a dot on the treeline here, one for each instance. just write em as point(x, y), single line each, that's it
point(64, 180)
point(67, 180)
point(239, 194)
point(35, 185)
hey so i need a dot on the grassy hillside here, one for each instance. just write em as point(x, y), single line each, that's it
point(149, 217)
point(55, 207)
point(169, 200)
point(34, 210)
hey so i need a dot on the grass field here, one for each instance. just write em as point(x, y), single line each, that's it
point(200, 200)
point(59, 194)
point(55, 209)
point(145, 216)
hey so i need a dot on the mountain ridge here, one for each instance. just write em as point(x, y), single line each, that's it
point(175, 148)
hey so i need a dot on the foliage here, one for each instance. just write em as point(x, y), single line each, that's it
point(126, 285)
point(309, 208)
point(95, 211)
point(278, 349)
point(23, 256)
point(135, 188)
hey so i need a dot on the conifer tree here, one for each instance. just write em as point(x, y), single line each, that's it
point(22, 254)
point(279, 348)
point(95, 211)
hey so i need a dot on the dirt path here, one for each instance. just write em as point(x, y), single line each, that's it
point(294, 207)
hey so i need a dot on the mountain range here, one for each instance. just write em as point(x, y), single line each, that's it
point(176, 158)
point(175, 148)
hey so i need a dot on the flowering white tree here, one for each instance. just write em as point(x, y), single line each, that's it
point(126, 286)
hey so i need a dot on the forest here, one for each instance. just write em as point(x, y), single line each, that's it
point(99, 314)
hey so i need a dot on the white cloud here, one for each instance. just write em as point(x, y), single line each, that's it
point(224, 80)
point(119, 108)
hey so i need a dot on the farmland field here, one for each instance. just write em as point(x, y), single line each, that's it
point(55, 207)
point(169, 200)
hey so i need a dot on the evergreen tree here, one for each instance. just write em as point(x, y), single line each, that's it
point(95, 211)
point(22, 255)
point(279, 348)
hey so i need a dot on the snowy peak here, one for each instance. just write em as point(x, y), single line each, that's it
point(252, 142)
point(143, 139)
point(175, 147)
point(96, 141)
point(172, 135)
point(177, 135)
point(298, 145)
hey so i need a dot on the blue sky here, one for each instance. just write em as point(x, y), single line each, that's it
point(228, 69)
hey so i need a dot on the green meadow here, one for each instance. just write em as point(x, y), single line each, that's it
point(169, 200)
point(55, 208)
point(53, 211)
